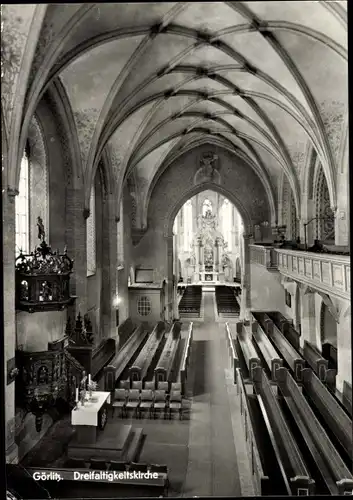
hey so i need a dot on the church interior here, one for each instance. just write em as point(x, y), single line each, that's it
point(176, 249)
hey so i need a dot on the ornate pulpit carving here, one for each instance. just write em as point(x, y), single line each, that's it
point(43, 278)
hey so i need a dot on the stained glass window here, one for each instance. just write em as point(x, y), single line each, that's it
point(91, 235)
point(144, 306)
point(22, 209)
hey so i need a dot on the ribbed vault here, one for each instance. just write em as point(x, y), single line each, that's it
point(265, 80)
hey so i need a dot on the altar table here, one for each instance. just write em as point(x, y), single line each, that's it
point(87, 418)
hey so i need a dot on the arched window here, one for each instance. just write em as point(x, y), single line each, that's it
point(91, 235)
point(206, 207)
point(188, 226)
point(325, 223)
point(120, 238)
point(226, 223)
point(22, 209)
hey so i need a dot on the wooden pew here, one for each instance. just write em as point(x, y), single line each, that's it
point(294, 360)
point(267, 350)
point(286, 327)
point(244, 343)
point(113, 371)
point(138, 370)
point(320, 365)
point(335, 417)
point(329, 352)
point(261, 480)
point(347, 396)
point(165, 364)
point(293, 465)
point(232, 353)
point(185, 359)
point(335, 473)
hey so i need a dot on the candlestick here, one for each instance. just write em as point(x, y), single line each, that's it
point(76, 399)
point(89, 378)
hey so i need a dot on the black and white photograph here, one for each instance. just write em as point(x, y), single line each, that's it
point(176, 249)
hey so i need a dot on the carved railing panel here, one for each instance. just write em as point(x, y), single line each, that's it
point(326, 272)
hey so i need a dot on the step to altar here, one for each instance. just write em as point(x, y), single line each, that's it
point(115, 442)
point(209, 288)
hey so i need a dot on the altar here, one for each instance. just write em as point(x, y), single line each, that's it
point(90, 417)
point(95, 436)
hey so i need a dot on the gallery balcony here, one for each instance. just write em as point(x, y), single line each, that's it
point(327, 272)
point(264, 256)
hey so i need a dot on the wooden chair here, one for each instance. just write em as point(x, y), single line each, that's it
point(119, 401)
point(176, 386)
point(175, 403)
point(160, 402)
point(163, 386)
point(133, 400)
point(146, 401)
point(124, 384)
point(137, 385)
point(97, 464)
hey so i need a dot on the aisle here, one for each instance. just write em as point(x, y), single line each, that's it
point(212, 465)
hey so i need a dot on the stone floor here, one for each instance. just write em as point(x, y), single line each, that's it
point(205, 453)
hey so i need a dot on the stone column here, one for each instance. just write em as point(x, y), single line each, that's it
point(202, 257)
point(344, 347)
point(307, 319)
point(9, 319)
point(75, 236)
point(109, 268)
point(170, 284)
point(245, 295)
point(216, 253)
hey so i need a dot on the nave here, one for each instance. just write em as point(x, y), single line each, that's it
point(204, 453)
point(258, 412)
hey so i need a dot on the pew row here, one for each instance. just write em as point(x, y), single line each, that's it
point(165, 364)
point(94, 359)
point(286, 327)
point(334, 471)
point(319, 364)
point(185, 360)
point(293, 359)
point(267, 350)
point(347, 396)
point(260, 479)
point(245, 345)
point(296, 474)
point(139, 369)
point(329, 352)
point(335, 417)
point(113, 371)
point(232, 353)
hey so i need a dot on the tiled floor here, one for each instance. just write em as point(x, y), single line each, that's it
point(206, 452)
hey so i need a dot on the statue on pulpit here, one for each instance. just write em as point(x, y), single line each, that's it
point(41, 231)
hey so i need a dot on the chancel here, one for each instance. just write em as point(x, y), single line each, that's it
point(176, 249)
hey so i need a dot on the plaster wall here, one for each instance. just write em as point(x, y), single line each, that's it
point(267, 292)
point(154, 297)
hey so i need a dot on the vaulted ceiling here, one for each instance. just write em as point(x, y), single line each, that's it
point(146, 82)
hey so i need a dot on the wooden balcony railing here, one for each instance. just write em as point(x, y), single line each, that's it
point(264, 256)
point(326, 272)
